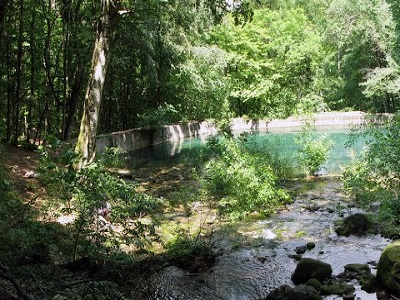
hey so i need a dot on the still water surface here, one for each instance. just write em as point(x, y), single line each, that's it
point(188, 151)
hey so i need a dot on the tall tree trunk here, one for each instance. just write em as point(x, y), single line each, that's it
point(86, 143)
point(18, 75)
point(28, 122)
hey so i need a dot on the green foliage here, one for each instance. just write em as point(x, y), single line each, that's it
point(354, 178)
point(113, 157)
point(164, 115)
point(188, 59)
point(82, 193)
point(376, 175)
point(202, 76)
point(272, 63)
point(274, 151)
point(313, 151)
point(240, 181)
point(188, 245)
point(359, 38)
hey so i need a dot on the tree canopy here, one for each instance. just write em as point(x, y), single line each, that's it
point(176, 60)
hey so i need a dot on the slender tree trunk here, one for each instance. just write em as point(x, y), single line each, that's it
point(28, 123)
point(86, 143)
point(18, 74)
point(10, 84)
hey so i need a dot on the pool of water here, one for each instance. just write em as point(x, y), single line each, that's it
point(187, 151)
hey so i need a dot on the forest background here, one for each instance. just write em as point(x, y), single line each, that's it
point(171, 61)
point(156, 62)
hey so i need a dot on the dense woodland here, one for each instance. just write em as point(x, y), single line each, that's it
point(72, 69)
point(170, 61)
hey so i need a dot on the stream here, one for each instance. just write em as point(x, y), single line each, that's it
point(248, 272)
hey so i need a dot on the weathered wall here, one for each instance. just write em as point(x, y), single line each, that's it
point(143, 137)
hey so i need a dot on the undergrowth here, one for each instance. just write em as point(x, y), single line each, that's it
point(375, 176)
point(83, 195)
point(241, 181)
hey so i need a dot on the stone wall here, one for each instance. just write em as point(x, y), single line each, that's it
point(143, 137)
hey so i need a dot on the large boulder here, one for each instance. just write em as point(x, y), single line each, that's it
point(308, 268)
point(388, 274)
point(300, 292)
point(357, 224)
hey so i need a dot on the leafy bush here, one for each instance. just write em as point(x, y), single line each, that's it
point(313, 151)
point(191, 252)
point(113, 157)
point(82, 193)
point(273, 153)
point(164, 115)
point(376, 175)
point(240, 180)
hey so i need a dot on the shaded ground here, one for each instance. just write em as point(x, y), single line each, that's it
point(22, 165)
point(46, 276)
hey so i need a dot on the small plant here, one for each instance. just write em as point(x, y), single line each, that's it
point(113, 157)
point(314, 151)
point(191, 252)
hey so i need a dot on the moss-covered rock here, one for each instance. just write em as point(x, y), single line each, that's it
point(357, 224)
point(388, 274)
point(337, 289)
point(357, 270)
point(368, 283)
point(315, 283)
point(308, 268)
point(286, 292)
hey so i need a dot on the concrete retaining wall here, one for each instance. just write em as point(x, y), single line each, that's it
point(143, 137)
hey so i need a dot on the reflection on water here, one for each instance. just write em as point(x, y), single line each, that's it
point(188, 150)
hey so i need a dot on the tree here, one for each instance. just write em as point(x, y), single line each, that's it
point(86, 142)
point(273, 61)
point(358, 38)
point(110, 15)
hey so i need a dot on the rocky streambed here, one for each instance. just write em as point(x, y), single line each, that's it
point(273, 247)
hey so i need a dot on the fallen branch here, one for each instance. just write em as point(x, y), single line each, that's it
point(5, 273)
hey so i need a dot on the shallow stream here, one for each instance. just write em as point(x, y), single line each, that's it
point(252, 271)
point(247, 271)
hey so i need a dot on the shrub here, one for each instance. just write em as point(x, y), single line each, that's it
point(375, 176)
point(164, 115)
point(191, 252)
point(240, 181)
point(81, 193)
point(275, 152)
point(313, 151)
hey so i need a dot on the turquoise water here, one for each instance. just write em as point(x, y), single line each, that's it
point(281, 146)
point(284, 146)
